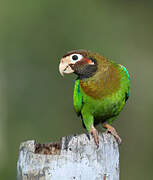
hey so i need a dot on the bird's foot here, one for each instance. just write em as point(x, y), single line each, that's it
point(112, 130)
point(94, 133)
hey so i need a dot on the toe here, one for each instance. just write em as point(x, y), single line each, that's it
point(94, 133)
point(119, 140)
point(114, 133)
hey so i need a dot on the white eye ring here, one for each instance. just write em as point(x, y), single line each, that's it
point(75, 57)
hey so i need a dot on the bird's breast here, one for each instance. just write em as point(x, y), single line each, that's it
point(104, 83)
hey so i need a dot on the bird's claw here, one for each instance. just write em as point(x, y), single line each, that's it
point(94, 133)
point(114, 133)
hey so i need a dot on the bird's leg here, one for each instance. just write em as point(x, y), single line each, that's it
point(110, 129)
point(88, 121)
point(94, 133)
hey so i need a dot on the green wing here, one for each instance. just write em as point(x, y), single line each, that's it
point(128, 76)
point(77, 97)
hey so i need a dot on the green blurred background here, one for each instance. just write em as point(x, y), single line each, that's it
point(36, 102)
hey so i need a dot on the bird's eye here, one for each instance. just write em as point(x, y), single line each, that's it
point(75, 57)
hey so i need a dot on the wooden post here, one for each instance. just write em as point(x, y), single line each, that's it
point(74, 158)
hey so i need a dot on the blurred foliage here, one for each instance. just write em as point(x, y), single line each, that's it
point(36, 103)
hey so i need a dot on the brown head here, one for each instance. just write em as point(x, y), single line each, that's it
point(79, 62)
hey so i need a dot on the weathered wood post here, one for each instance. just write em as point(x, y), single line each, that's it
point(74, 158)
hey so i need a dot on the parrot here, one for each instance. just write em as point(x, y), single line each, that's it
point(101, 89)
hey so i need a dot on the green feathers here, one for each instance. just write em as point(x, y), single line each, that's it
point(102, 96)
point(77, 97)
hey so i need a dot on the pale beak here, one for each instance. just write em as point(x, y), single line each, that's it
point(64, 66)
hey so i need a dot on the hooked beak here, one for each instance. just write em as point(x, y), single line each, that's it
point(64, 66)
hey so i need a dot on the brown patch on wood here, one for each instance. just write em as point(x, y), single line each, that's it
point(48, 148)
point(104, 177)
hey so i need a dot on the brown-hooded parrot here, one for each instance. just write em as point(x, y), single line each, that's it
point(100, 91)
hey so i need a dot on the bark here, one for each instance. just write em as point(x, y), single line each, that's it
point(75, 157)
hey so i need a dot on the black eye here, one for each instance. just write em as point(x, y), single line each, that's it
point(75, 57)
